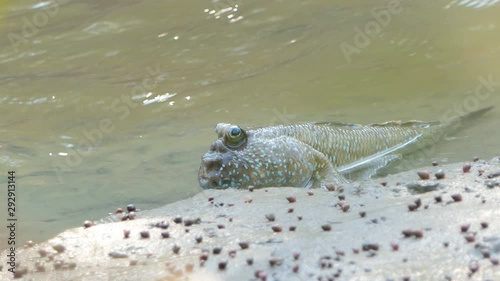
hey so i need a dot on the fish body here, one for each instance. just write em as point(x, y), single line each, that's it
point(311, 154)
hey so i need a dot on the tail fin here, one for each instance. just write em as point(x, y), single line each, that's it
point(456, 122)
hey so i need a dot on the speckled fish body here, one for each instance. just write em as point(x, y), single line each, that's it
point(307, 155)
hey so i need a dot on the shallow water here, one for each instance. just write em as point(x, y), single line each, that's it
point(105, 103)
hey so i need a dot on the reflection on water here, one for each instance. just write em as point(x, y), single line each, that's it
point(105, 103)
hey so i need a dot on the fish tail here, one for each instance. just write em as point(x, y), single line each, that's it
point(457, 121)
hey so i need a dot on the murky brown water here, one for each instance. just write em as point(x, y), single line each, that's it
point(105, 103)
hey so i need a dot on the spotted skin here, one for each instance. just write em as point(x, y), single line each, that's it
point(307, 155)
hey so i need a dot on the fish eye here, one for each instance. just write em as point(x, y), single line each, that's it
point(235, 132)
point(235, 137)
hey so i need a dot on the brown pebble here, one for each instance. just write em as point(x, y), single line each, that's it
point(418, 233)
point(176, 249)
point(88, 224)
point(198, 238)
point(299, 218)
point(494, 261)
point(424, 175)
point(131, 208)
point(407, 232)
point(249, 261)
point(59, 248)
point(230, 219)
point(384, 183)
point(486, 253)
point(394, 246)
point(210, 199)
point(249, 200)
point(275, 261)
point(464, 227)
point(292, 228)
point(440, 174)
point(189, 267)
point(277, 228)
point(362, 214)
point(438, 198)
point(291, 199)
point(232, 253)
point(220, 226)
point(119, 211)
point(222, 265)
point(434, 163)
point(345, 208)
point(244, 245)
point(310, 193)
point(412, 207)
point(475, 159)
point(330, 187)
point(341, 197)
point(204, 256)
point(250, 188)
point(466, 167)
point(484, 224)
point(165, 234)
point(370, 246)
point(326, 227)
point(406, 278)
point(295, 268)
point(178, 219)
point(457, 197)
point(473, 267)
point(270, 217)
point(216, 250)
point(470, 237)
point(144, 234)
point(446, 244)
point(290, 210)
point(296, 256)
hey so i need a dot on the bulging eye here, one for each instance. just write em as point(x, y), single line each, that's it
point(235, 132)
point(235, 137)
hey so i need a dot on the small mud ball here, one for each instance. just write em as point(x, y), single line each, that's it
point(131, 208)
point(424, 175)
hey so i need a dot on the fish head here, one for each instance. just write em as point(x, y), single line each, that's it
point(240, 158)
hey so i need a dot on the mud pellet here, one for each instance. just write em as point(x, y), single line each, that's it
point(131, 208)
point(440, 174)
point(341, 197)
point(438, 198)
point(330, 187)
point(407, 232)
point(277, 228)
point(176, 249)
point(457, 197)
point(424, 175)
point(119, 211)
point(470, 237)
point(412, 207)
point(222, 265)
point(290, 210)
point(126, 233)
point(345, 208)
point(355, 250)
point(295, 268)
point(292, 228)
point(244, 245)
point(270, 217)
point(220, 226)
point(178, 219)
point(296, 256)
point(434, 163)
point(165, 234)
point(198, 239)
point(484, 224)
point(299, 218)
point(249, 261)
point(475, 159)
point(494, 261)
point(446, 244)
point(204, 256)
point(394, 246)
point(464, 227)
point(326, 227)
point(232, 253)
point(291, 199)
point(310, 193)
point(473, 267)
point(88, 223)
point(216, 250)
point(384, 183)
point(466, 167)
point(362, 214)
point(251, 188)
point(418, 233)
point(144, 234)
point(486, 253)
point(275, 261)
